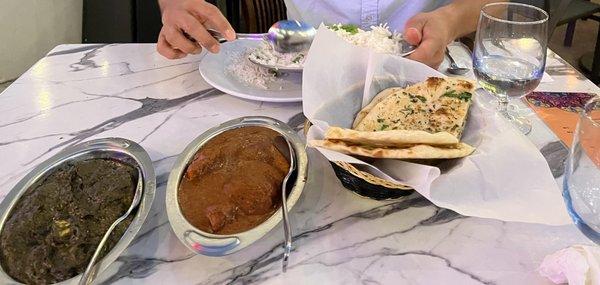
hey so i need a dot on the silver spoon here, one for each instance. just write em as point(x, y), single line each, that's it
point(294, 36)
point(90, 272)
point(454, 68)
point(284, 146)
point(238, 36)
point(285, 36)
point(405, 48)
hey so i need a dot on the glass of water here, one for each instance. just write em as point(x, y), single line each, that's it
point(510, 53)
point(581, 185)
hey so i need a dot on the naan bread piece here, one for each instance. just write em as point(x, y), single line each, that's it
point(380, 96)
point(390, 138)
point(435, 105)
point(420, 151)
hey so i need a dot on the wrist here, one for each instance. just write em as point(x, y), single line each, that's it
point(454, 17)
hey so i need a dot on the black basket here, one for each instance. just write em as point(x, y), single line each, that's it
point(367, 185)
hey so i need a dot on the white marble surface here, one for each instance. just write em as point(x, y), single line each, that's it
point(82, 92)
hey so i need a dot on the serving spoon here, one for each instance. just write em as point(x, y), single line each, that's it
point(284, 146)
point(285, 36)
point(90, 272)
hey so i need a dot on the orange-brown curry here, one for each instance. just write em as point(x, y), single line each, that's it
point(234, 181)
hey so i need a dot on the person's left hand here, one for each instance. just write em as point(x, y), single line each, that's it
point(431, 32)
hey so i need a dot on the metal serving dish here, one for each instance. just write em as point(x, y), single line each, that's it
point(120, 149)
point(218, 245)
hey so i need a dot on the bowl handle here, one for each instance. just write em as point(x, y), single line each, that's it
point(210, 246)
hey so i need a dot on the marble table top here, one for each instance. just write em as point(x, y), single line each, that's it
point(82, 92)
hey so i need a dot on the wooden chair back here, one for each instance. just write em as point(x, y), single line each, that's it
point(259, 15)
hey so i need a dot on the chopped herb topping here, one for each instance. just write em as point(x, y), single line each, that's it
point(465, 96)
point(407, 111)
point(384, 126)
point(380, 120)
point(415, 97)
point(350, 28)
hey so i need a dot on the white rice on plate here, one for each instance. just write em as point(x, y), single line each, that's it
point(380, 39)
point(265, 54)
point(249, 73)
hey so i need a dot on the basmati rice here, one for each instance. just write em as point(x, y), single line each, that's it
point(380, 39)
point(249, 73)
point(265, 54)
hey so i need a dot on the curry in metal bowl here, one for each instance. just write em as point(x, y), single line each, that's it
point(55, 227)
point(224, 191)
point(52, 221)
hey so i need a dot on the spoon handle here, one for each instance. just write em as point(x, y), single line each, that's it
point(258, 37)
point(452, 61)
point(239, 36)
point(287, 230)
point(90, 272)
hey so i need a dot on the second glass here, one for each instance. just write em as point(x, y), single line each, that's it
point(510, 53)
point(581, 187)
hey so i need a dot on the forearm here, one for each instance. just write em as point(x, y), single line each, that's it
point(463, 15)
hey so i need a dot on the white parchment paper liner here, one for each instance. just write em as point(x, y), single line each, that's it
point(506, 178)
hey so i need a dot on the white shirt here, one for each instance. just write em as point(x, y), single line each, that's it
point(364, 13)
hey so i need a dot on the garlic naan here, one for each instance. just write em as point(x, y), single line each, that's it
point(419, 151)
point(390, 138)
point(435, 105)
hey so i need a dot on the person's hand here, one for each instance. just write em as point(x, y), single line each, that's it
point(184, 28)
point(431, 33)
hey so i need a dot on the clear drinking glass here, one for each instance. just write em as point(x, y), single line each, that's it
point(510, 53)
point(581, 186)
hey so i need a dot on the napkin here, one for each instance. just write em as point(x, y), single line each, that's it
point(506, 178)
point(576, 265)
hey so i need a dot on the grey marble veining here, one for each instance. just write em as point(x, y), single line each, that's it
point(82, 92)
point(76, 49)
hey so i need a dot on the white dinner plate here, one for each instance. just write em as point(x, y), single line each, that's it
point(213, 70)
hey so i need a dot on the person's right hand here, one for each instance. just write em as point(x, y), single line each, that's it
point(191, 17)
